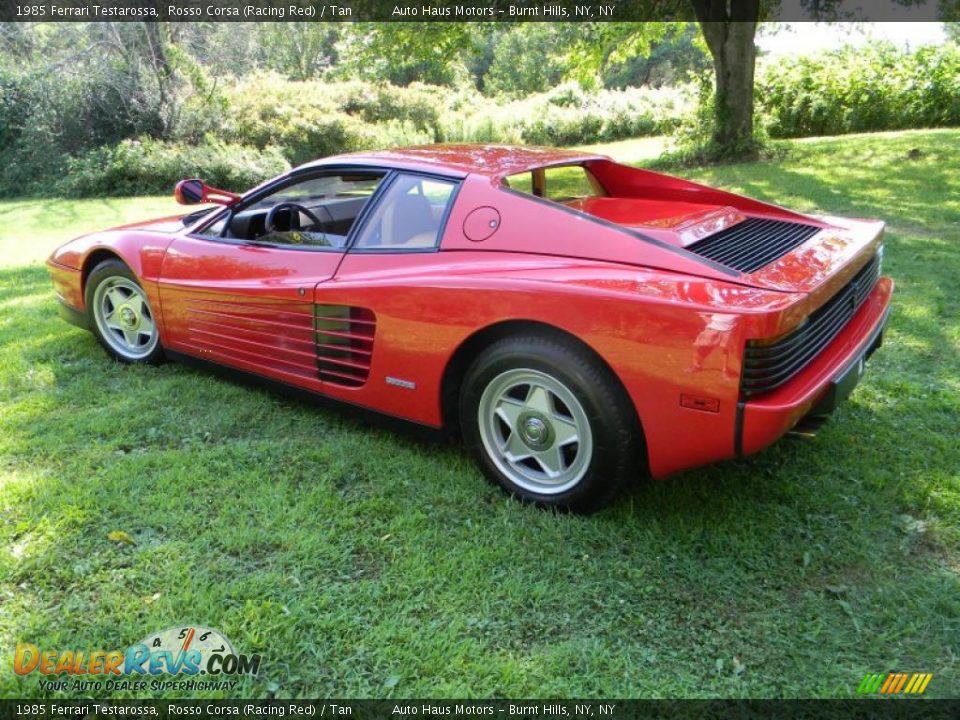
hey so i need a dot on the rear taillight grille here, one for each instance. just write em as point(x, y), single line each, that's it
point(753, 243)
point(344, 337)
point(769, 365)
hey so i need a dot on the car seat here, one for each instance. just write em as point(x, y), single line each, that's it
point(409, 222)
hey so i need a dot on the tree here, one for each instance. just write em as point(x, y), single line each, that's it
point(301, 50)
point(729, 29)
point(525, 60)
point(408, 52)
point(669, 61)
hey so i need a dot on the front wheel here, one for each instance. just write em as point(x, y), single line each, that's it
point(549, 423)
point(120, 315)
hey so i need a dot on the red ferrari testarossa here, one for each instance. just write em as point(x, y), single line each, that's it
point(576, 320)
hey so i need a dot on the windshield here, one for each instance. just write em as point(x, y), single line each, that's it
point(327, 187)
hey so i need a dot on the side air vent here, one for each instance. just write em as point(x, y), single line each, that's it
point(768, 365)
point(344, 337)
point(753, 243)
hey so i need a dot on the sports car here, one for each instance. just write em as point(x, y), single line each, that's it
point(578, 322)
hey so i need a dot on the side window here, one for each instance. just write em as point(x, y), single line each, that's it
point(572, 182)
point(316, 212)
point(523, 182)
point(561, 184)
point(408, 216)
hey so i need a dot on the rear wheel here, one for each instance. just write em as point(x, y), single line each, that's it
point(120, 315)
point(549, 423)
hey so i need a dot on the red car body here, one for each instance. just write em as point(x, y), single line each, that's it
point(622, 272)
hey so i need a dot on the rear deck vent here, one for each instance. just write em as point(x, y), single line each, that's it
point(753, 243)
point(344, 343)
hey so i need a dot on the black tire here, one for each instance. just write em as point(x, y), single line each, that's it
point(135, 335)
point(498, 375)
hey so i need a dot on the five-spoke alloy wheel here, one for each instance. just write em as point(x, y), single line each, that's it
point(549, 422)
point(120, 314)
point(535, 431)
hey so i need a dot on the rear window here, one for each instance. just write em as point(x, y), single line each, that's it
point(561, 184)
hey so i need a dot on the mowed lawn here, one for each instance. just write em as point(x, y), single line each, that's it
point(361, 562)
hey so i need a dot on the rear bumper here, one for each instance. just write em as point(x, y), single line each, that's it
point(819, 387)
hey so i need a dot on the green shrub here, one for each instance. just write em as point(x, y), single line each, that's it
point(145, 166)
point(15, 102)
point(78, 134)
point(313, 119)
point(860, 90)
point(567, 115)
point(417, 104)
point(233, 133)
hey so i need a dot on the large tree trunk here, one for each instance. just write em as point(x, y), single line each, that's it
point(729, 31)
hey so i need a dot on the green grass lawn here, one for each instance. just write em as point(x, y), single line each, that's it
point(361, 562)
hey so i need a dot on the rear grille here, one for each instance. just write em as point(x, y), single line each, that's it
point(768, 366)
point(344, 337)
point(753, 243)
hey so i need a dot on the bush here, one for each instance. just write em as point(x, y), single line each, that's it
point(246, 129)
point(145, 166)
point(417, 104)
point(313, 119)
point(860, 90)
point(567, 115)
point(693, 141)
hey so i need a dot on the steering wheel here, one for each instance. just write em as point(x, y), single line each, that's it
point(269, 227)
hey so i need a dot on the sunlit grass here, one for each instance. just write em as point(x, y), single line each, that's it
point(637, 150)
point(31, 229)
point(359, 562)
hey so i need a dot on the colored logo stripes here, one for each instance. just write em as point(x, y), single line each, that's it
point(895, 683)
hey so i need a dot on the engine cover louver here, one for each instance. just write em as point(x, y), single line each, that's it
point(769, 365)
point(753, 243)
point(344, 338)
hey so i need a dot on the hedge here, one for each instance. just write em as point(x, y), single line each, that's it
point(250, 128)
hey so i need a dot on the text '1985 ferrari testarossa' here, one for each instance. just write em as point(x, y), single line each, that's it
point(577, 321)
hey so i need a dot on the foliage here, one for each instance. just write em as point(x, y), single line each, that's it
point(362, 563)
point(82, 88)
point(567, 115)
point(314, 119)
point(402, 53)
point(845, 91)
point(137, 167)
point(43, 119)
point(669, 61)
point(104, 83)
point(694, 142)
point(855, 90)
point(952, 30)
point(300, 50)
point(525, 61)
